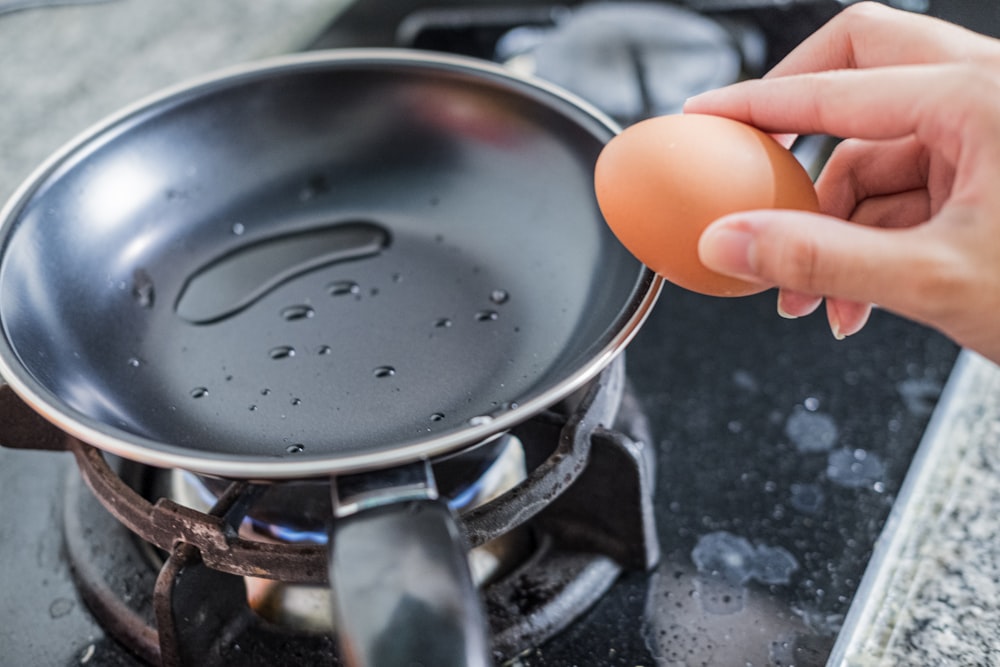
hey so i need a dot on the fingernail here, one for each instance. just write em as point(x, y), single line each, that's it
point(847, 317)
point(693, 99)
point(728, 249)
point(852, 317)
point(835, 327)
point(783, 313)
point(793, 305)
point(782, 308)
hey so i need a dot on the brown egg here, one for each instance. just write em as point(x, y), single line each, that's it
point(662, 181)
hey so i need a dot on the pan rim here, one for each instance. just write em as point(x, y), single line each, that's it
point(157, 453)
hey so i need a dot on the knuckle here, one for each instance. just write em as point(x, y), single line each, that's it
point(863, 12)
point(846, 159)
point(862, 16)
point(939, 283)
point(978, 86)
point(973, 84)
point(792, 262)
point(985, 103)
point(966, 110)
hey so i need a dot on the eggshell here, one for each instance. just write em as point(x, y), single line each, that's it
point(663, 180)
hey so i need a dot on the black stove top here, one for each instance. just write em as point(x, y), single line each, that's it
point(780, 451)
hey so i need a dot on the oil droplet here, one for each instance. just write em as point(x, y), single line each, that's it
point(745, 380)
point(397, 277)
point(199, 392)
point(233, 281)
point(295, 449)
point(296, 401)
point(854, 468)
point(297, 312)
point(499, 296)
point(265, 391)
point(487, 316)
point(384, 371)
point(919, 395)
point(442, 323)
point(807, 498)
point(733, 559)
point(811, 431)
point(253, 408)
point(238, 228)
point(343, 288)
point(60, 607)
point(282, 352)
point(142, 289)
point(437, 416)
point(324, 350)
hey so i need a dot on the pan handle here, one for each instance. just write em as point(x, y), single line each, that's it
point(399, 574)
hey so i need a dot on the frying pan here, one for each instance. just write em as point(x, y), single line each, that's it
point(321, 264)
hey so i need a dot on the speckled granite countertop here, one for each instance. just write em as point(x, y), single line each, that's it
point(931, 595)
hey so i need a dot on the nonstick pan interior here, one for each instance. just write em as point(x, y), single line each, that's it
point(321, 264)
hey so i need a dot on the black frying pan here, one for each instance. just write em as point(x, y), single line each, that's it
point(321, 265)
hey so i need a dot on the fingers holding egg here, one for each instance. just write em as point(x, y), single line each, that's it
point(662, 181)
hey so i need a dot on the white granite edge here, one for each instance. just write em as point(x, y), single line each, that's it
point(908, 553)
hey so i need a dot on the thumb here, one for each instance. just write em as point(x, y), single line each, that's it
point(822, 255)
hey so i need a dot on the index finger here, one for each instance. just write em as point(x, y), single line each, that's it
point(882, 103)
point(870, 34)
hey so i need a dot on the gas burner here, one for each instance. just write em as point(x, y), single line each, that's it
point(546, 539)
point(299, 513)
point(631, 60)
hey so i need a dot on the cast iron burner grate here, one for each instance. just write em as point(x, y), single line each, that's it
point(177, 595)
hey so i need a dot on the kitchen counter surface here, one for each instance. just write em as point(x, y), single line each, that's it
point(932, 593)
point(63, 68)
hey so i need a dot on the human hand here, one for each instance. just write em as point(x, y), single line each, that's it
point(918, 174)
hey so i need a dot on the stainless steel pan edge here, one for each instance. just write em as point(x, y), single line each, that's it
point(159, 454)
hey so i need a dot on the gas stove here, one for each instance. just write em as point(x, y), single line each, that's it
point(725, 517)
point(185, 570)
